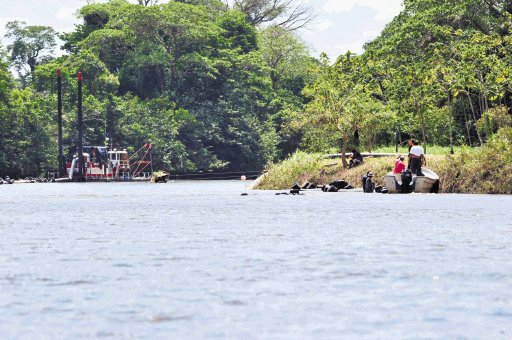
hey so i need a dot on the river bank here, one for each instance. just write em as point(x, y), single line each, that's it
point(483, 170)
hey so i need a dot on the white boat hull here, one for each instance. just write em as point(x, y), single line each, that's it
point(422, 184)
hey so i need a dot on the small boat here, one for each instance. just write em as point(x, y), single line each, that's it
point(429, 183)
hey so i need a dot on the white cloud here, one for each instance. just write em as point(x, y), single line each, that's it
point(66, 13)
point(386, 9)
point(324, 25)
point(354, 47)
point(369, 35)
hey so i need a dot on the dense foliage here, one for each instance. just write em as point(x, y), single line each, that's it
point(194, 77)
point(440, 72)
point(213, 89)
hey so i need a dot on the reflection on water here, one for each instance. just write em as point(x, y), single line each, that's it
point(198, 260)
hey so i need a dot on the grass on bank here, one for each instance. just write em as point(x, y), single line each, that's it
point(485, 170)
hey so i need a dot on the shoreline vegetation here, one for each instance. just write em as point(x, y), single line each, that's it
point(483, 170)
point(230, 87)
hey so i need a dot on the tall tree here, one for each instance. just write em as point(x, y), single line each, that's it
point(31, 45)
point(285, 54)
point(5, 78)
point(5, 90)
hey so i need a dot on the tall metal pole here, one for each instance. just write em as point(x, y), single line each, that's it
point(110, 124)
point(81, 164)
point(62, 164)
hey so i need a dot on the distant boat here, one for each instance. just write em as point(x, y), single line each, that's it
point(429, 183)
point(103, 164)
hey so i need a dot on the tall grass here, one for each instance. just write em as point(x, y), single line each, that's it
point(487, 170)
point(300, 167)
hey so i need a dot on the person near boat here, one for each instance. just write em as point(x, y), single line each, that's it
point(369, 184)
point(416, 158)
point(399, 167)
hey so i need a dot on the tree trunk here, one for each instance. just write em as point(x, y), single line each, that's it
point(484, 106)
point(474, 118)
point(466, 122)
point(423, 134)
point(344, 153)
point(451, 122)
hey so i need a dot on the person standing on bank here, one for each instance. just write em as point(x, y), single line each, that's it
point(369, 185)
point(416, 158)
point(409, 146)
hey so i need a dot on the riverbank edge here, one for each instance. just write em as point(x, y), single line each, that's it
point(483, 170)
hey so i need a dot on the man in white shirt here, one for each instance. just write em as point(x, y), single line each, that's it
point(416, 158)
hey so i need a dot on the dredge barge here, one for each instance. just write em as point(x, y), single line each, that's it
point(100, 164)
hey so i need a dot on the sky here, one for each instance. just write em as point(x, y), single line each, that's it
point(340, 25)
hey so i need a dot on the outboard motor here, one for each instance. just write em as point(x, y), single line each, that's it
point(406, 182)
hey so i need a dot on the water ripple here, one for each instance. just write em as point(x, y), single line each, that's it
point(200, 261)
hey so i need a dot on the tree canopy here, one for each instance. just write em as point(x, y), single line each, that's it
point(229, 86)
point(440, 72)
point(31, 45)
point(191, 76)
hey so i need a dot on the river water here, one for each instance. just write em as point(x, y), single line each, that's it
point(189, 260)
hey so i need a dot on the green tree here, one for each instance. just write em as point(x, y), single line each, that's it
point(286, 56)
point(5, 90)
point(29, 147)
point(31, 45)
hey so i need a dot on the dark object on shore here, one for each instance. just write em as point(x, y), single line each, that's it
point(160, 177)
point(348, 187)
point(384, 190)
point(329, 188)
point(309, 186)
point(296, 186)
point(8, 180)
point(339, 184)
point(244, 194)
point(292, 192)
point(378, 188)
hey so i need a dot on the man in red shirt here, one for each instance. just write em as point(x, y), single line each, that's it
point(399, 167)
